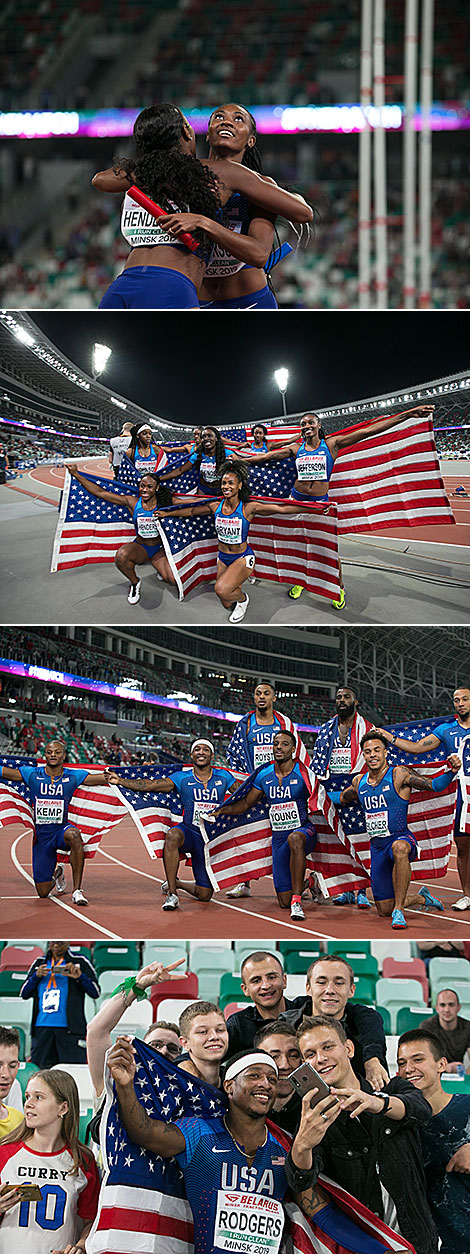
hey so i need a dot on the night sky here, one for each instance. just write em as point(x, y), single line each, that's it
point(219, 368)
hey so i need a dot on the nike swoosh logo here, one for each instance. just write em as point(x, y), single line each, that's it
point(217, 1151)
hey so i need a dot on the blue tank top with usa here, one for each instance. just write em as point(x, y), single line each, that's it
point(453, 736)
point(288, 799)
point(259, 448)
point(146, 525)
point(260, 740)
point(235, 1206)
point(209, 477)
point(386, 813)
point(50, 797)
point(199, 799)
point(314, 464)
point(147, 464)
point(236, 216)
point(231, 528)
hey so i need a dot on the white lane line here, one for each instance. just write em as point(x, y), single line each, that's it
point(225, 905)
point(56, 900)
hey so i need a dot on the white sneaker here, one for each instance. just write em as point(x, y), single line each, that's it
point(164, 888)
point(240, 610)
point(296, 911)
point(251, 578)
point(134, 593)
point(60, 880)
point(171, 902)
point(462, 904)
point(240, 890)
point(79, 898)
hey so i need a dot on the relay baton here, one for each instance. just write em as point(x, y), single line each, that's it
point(148, 204)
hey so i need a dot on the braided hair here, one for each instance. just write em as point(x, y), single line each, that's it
point(241, 471)
point(163, 171)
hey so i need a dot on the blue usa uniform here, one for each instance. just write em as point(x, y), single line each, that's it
point(197, 801)
point(386, 821)
point(312, 465)
point(50, 800)
point(260, 738)
point(288, 812)
point(146, 463)
point(146, 528)
point(233, 529)
point(452, 736)
point(236, 216)
point(235, 1207)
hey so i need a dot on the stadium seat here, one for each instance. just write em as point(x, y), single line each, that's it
point(85, 950)
point(386, 1016)
point(344, 948)
point(295, 986)
point(166, 952)
point(11, 982)
point(209, 963)
point(365, 989)
point(116, 956)
point(246, 948)
point(311, 947)
point(230, 990)
point(135, 1021)
point(188, 986)
point(109, 981)
point(19, 957)
point(395, 993)
point(455, 1083)
point(172, 1007)
point(232, 1007)
point(84, 1119)
point(297, 962)
point(381, 950)
point(411, 1016)
point(80, 1073)
point(26, 1070)
point(414, 969)
point(16, 1013)
point(24, 1038)
point(443, 973)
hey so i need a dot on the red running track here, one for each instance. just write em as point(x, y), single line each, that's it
point(53, 476)
point(123, 885)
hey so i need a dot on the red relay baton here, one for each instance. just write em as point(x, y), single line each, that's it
point(157, 212)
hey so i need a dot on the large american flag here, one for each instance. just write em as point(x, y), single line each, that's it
point(143, 1207)
point(240, 752)
point(152, 812)
point(94, 810)
point(323, 744)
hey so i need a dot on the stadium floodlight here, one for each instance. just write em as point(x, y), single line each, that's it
point(24, 336)
point(282, 377)
point(101, 354)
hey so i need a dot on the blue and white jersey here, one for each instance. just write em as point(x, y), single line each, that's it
point(231, 528)
point(198, 799)
point(288, 800)
point(314, 464)
point(208, 470)
point(260, 738)
point(235, 1207)
point(146, 524)
point(340, 760)
point(50, 798)
point(236, 216)
point(386, 813)
point(148, 463)
point(451, 735)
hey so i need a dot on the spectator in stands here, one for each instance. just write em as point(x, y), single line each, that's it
point(445, 1139)
point(58, 984)
point(263, 981)
point(330, 988)
point(368, 1142)
point(10, 1088)
point(98, 1036)
point(279, 1039)
point(450, 1029)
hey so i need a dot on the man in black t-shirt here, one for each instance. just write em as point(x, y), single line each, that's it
point(451, 1029)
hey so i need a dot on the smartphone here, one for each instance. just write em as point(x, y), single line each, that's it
point(29, 1192)
point(305, 1078)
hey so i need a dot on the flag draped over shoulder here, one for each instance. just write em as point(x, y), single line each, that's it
point(143, 1207)
point(240, 846)
point(239, 751)
point(94, 810)
point(324, 741)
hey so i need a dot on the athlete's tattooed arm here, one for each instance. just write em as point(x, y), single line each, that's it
point(312, 1200)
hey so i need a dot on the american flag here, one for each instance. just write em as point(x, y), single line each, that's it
point(143, 1207)
point(89, 529)
point(94, 810)
point(240, 846)
point(240, 752)
point(324, 741)
point(152, 812)
point(129, 478)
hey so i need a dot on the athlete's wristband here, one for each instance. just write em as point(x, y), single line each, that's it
point(335, 797)
point(441, 782)
point(130, 986)
point(297, 1179)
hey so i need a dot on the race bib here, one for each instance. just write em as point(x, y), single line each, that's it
point(311, 466)
point(229, 530)
point(201, 809)
point(50, 1000)
point(222, 264)
point(340, 759)
point(145, 467)
point(248, 1223)
point(209, 471)
point(377, 823)
point(49, 811)
point(262, 754)
point(284, 816)
point(147, 527)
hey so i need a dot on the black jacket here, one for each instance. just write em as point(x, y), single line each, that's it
point(87, 983)
point(362, 1024)
point(244, 1024)
point(363, 1153)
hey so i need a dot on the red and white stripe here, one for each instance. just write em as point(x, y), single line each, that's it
point(140, 1221)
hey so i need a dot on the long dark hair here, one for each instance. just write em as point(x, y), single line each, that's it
point(220, 454)
point(241, 471)
point(166, 173)
point(131, 451)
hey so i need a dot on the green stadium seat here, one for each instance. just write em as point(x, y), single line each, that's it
point(387, 1018)
point(365, 989)
point(209, 963)
point(397, 993)
point(445, 972)
point(26, 1070)
point(311, 947)
point(455, 1084)
point(23, 1050)
point(83, 1122)
point(297, 962)
point(410, 1017)
point(117, 955)
point(348, 947)
point(11, 982)
point(230, 990)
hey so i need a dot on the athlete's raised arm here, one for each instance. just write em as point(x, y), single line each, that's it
point(116, 498)
point(115, 179)
point(337, 442)
point(152, 1134)
point(141, 785)
point(262, 191)
point(11, 772)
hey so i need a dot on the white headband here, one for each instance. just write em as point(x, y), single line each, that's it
point(249, 1060)
point(202, 742)
point(145, 427)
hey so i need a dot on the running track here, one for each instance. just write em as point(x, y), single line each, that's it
point(123, 885)
point(46, 481)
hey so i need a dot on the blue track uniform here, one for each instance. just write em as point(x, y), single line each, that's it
point(197, 801)
point(50, 799)
point(386, 821)
point(452, 736)
point(150, 287)
point(209, 479)
point(147, 463)
point(260, 741)
point(146, 528)
point(235, 1207)
point(288, 812)
point(233, 529)
point(236, 216)
point(312, 465)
